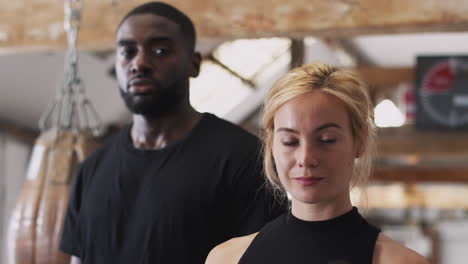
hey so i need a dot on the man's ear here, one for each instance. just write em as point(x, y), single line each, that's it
point(195, 67)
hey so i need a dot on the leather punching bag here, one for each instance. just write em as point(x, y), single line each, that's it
point(35, 226)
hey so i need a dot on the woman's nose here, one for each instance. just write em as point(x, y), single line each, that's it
point(307, 158)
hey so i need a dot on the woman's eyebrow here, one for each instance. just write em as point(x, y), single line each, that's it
point(327, 125)
point(287, 129)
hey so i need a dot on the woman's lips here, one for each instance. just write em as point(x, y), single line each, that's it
point(306, 181)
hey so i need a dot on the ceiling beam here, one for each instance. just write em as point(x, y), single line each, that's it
point(246, 81)
point(416, 196)
point(408, 140)
point(37, 24)
point(297, 53)
point(20, 133)
point(348, 54)
point(406, 154)
point(420, 174)
point(385, 77)
point(359, 55)
point(383, 81)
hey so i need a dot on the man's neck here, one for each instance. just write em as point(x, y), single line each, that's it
point(158, 132)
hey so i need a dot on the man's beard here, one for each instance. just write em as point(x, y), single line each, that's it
point(159, 102)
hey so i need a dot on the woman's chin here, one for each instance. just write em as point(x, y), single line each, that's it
point(307, 197)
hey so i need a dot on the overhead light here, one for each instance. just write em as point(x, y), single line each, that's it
point(388, 115)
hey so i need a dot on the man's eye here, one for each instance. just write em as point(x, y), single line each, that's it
point(127, 52)
point(160, 51)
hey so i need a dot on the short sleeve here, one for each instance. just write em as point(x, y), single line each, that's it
point(70, 242)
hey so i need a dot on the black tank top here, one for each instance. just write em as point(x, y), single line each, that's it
point(347, 239)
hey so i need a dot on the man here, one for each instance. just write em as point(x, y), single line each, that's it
point(175, 183)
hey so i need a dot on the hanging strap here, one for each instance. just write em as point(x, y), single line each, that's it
point(71, 109)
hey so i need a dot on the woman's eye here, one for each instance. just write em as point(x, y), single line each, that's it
point(289, 142)
point(328, 140)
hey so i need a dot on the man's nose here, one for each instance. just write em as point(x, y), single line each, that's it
point(141, 63)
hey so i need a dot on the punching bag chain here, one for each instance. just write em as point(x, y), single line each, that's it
point(71, 109)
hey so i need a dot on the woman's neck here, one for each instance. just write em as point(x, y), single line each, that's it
point(321, 211)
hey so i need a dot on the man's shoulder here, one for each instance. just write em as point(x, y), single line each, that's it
point(230, 251)
point(225, 130)
point(107, 147)
point(229, 140)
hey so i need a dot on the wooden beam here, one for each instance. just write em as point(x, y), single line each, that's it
point(408, 140)
point(406, 154)
point(359, 56)
point(297, 53)
point(37, 24)
point(420, 174)
point(23, 134)
point(385, 79)
point(415, 196)
point(246, 81)
point(348, 53)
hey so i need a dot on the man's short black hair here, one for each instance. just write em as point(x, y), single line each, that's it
point(169, 12)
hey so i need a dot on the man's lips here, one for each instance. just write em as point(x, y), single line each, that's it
point(307, 180)
point(141, 86)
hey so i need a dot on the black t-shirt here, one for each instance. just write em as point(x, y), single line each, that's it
point(171, 205)
point(347, 239)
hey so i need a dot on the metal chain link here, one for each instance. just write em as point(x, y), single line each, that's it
point(71, 110)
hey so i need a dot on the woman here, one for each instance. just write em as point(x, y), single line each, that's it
point(319, 136)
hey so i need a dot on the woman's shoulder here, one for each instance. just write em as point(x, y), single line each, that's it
point(230, 251)
point(388, 251)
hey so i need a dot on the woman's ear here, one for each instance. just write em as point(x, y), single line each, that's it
point(359, 149)
point(361, 144)
point(274, 164)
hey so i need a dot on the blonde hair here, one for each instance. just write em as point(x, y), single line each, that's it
point(344, 85)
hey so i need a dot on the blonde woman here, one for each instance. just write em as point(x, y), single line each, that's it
point(319, 136)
